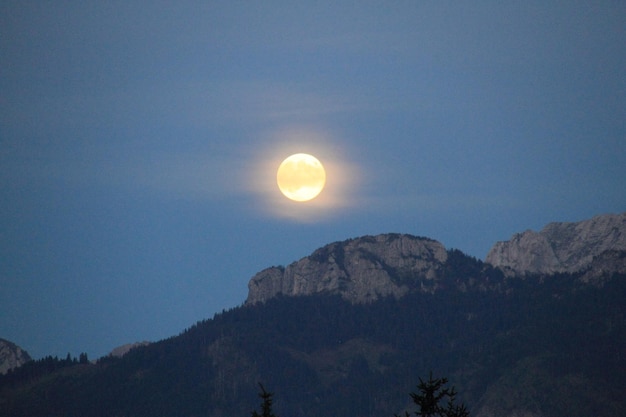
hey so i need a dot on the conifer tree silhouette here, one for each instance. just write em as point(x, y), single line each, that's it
point(266, 405)
point(430, 397)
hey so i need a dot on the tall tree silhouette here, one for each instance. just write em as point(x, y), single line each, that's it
point(432, 395)
point(266, 405)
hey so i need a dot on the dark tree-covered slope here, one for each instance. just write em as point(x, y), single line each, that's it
point(544, 345)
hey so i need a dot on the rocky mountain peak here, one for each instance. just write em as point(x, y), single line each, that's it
point(11, 356)
point(360, 270)
point(564, 247)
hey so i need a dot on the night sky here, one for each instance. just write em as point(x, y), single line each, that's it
point(139, 142)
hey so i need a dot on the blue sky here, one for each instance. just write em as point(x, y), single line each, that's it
point(139, 143)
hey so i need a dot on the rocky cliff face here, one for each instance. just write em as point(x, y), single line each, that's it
point(360, 270)
point(11, 356)
point(565, 247)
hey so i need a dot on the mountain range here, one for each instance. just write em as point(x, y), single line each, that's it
point(538, 329)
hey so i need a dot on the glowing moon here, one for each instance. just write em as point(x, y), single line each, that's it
point(301, 177)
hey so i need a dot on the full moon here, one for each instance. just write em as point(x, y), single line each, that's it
point(301, 177)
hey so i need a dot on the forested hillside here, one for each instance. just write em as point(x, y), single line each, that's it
point(545, 345)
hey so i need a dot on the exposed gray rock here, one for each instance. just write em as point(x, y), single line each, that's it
point(360, 270)
point(120, 351)
point(561, 247)
point(11, 356)
point(608, 262)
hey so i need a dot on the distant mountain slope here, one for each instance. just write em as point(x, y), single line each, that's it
point(546, 349)
point(120, 351)
point(11, 356)
point(350, 329)
point(562, 247)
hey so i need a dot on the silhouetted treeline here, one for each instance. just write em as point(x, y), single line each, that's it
point(36, 368)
